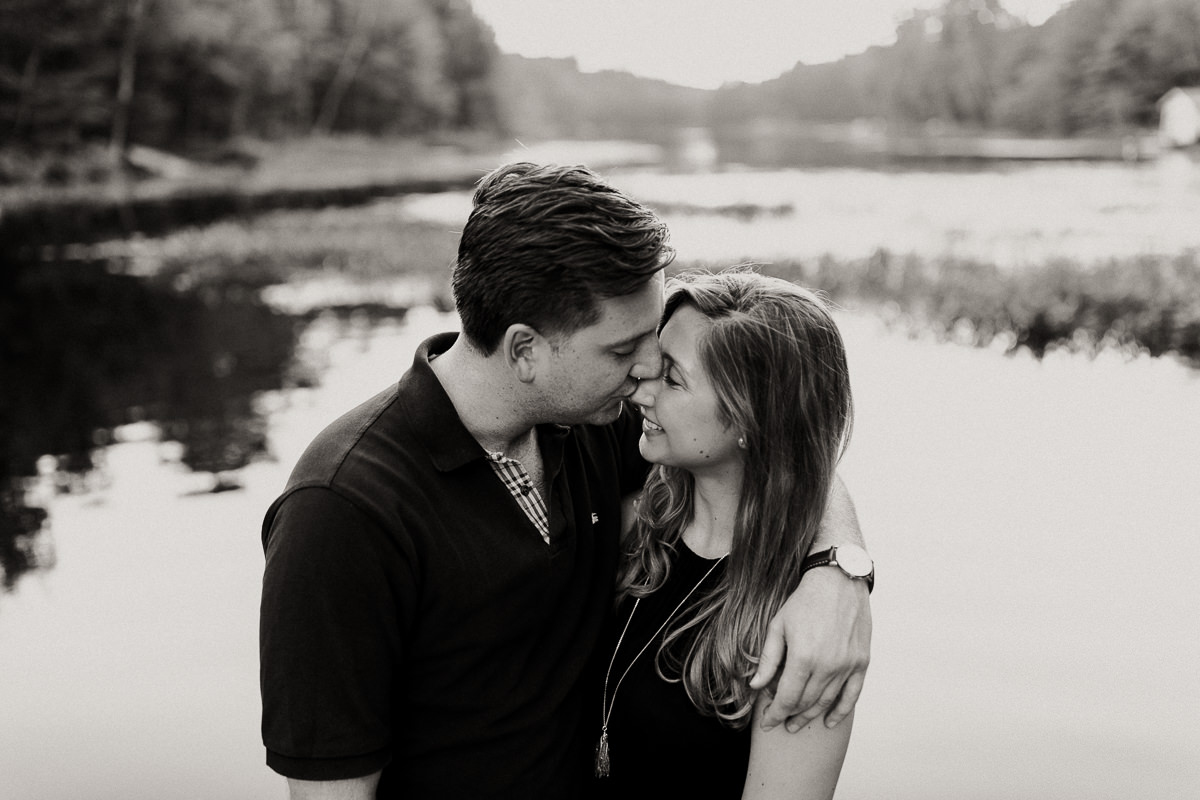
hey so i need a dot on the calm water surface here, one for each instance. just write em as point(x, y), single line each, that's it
point(1012, 215)
point(1035, 620)
point(1035, 523)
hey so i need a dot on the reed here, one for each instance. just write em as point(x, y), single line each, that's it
point(1145, 304)
point(1148, 304)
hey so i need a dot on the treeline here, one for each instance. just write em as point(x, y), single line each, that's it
point(173, 73)
point(1096, 66)
point(186, 74)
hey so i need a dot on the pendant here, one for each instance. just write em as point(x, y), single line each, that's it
point(602, 763)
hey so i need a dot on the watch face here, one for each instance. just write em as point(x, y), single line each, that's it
point(854, 561)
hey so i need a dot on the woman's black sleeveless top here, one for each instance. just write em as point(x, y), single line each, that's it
point(660, 745)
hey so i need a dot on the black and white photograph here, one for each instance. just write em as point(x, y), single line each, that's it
point(599, 399)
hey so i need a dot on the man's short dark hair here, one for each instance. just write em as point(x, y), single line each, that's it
point(543, 244)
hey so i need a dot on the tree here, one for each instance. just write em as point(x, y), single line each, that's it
point(470, 59)
point(128, 63)
point(1150, 46)
point(57, 70)
point(357, 43)
point(183, 73)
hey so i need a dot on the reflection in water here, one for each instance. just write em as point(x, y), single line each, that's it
point(86, 349)
point(767, 146)
point(19, 526)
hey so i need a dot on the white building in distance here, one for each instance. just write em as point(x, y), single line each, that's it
point(1179, 116)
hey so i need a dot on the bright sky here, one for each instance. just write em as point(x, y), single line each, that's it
point(705, 42)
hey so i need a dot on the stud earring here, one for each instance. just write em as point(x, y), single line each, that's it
point(742, 442)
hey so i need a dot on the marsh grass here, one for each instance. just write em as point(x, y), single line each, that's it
point(363, 245)
point(1147, 304)
point(1144, 304)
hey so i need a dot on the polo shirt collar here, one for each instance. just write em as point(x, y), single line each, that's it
point(436, 424)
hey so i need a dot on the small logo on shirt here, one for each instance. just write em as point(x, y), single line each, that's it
point(595, 517)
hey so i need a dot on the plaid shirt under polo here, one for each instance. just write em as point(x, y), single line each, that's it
point(517, 481)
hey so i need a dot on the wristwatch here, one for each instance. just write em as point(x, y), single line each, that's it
point(850, 559)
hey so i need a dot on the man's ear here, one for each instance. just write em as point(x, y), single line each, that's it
point(522, 345)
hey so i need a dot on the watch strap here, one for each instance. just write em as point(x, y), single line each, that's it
point(818, 559)
point(826, 557)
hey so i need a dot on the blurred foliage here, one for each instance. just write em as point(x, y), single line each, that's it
point(1095, 66)
point(189, 73)
point(359, 244)
point(210, 77)
point(1148, 304)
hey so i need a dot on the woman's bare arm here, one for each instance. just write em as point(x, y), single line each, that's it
point(798, 766)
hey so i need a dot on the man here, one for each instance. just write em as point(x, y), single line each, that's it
point(442, 560)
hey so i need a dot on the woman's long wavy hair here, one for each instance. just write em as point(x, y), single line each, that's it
point(778, 365)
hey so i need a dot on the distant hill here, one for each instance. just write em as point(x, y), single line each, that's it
point(1097, 67)
point(551, 98)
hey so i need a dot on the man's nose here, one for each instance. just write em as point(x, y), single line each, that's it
point(649, 362)
point(645, 392)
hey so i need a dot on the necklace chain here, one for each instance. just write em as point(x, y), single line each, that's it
point(606, 706)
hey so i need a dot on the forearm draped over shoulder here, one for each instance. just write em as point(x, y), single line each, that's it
point(839, 525)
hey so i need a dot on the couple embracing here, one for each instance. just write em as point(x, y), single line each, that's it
point(562, 556)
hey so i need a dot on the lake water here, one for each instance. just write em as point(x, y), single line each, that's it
point(1010, 214)
point(1035, 525)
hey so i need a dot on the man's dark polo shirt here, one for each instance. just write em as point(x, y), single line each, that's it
point(414, 620)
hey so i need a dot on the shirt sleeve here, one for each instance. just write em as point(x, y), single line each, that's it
point(335, 594)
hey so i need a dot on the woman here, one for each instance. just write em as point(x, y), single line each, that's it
point(745, 425)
